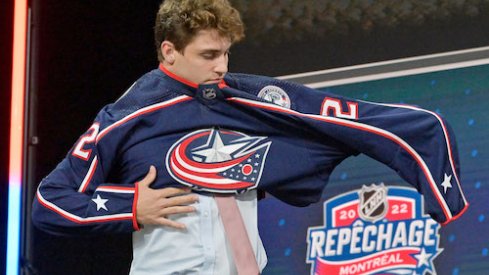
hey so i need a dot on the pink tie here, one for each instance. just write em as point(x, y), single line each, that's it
point(243, 254)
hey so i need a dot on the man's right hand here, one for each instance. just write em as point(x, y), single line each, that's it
point(155, 205)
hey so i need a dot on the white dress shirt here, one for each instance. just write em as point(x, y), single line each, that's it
point(201, 248)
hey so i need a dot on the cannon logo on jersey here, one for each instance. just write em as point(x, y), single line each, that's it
point(376, 230)
point(218, 160)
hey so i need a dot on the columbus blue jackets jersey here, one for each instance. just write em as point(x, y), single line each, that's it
point(244, 133)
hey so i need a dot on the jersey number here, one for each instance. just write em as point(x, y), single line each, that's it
point(333, 105)
point(90, 137)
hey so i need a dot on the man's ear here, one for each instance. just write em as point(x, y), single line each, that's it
point(168, 51)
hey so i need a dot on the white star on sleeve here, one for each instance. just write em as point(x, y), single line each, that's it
point(100, 203)
point(446, 183)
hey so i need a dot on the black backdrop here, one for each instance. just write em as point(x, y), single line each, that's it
point(87, 53)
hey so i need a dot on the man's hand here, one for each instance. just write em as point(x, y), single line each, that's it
point(155, 205)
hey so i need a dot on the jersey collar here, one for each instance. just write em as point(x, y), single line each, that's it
point(178, 78)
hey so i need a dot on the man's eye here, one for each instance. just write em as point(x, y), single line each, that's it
point(208, 55)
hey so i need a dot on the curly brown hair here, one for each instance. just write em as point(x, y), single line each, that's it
point(178, 21)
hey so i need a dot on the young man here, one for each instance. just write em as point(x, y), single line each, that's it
point(93, 189)
point(189, 123)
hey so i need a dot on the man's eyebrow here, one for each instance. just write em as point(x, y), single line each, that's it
point(212, 50)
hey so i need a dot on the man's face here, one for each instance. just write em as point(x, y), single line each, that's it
point(204, 60)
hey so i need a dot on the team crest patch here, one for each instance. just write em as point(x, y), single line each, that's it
point(275, 95)
point(218, 160)
point(376, 230)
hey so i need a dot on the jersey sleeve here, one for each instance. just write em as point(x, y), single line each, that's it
point(418, 144)
point(75, 198)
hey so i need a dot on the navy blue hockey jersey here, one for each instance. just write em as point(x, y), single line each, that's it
point(247, 132)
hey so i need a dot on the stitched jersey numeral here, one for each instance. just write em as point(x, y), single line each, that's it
point(333, 107)
point(90, 137)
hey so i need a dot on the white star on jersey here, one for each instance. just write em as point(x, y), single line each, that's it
point(423, 258)
point(100, 203)
point(446, 182)
point(218, 151)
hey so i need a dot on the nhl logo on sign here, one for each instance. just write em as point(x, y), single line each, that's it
point(275, 95)
point(373, 202)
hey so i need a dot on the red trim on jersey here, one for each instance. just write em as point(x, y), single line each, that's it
point(222, 84)
point(178, 78)
point(110, 188)
point(355, 125)
point(457, 216)
point(135, 224)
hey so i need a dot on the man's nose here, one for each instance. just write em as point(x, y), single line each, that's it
point(221, 65)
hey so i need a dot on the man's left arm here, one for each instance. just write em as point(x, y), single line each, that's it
point(418, 144)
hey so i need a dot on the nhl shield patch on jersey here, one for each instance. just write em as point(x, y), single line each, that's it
point(376, 230)
point(218, 160)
